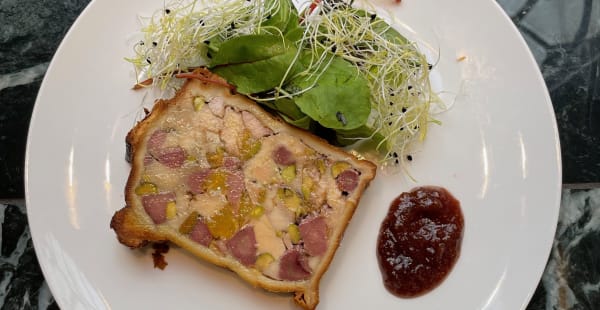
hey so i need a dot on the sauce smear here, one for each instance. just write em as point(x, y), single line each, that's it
point(419, 241)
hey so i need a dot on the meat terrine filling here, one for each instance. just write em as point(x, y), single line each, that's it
point(220, 177)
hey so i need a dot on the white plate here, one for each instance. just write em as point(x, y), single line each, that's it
point(497, 152)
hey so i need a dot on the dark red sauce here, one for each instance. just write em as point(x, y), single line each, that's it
point(419, 241)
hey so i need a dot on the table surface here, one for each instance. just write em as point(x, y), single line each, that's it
point(564, 37)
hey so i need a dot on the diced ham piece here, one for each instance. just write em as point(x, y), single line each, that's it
point(283, 156)
point(294, 266)
point(172, 157)
point(217, 106)
point(314, 233)
point(156, 140)
point(255, 127)
point(200, 233)
point(231, 163)
point(235, 187)
point(156, 206)
point(243, 246)
point(196, 179)
point(347, 180)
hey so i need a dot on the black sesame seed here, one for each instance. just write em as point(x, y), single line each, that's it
point(395, 155)
point(201, 22)
point(208, 55)
point(154, 43)
point(401, 128)
point(344, 193)
point(373, 16)
point(168, 11)
point(409, 87)
point(269, 16)
point(148, 61)
point(390, 123)
point(206, 42)
point(409, 157)
point(396, 161)
point(392, 94)
point(416, 127)
point(391, 103)
point(429, 66)
point(333, 48)
point(232, 26)
point(404, 109)
point(141, 42)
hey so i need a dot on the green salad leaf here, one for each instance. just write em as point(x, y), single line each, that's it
point(260, 75)
point(338, 99)
point(247, 48)
point(287, 107)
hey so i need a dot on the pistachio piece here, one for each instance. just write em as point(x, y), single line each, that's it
point(199, 102)
point(263, 261)
point(289, 173)
point(291, 200)
point(307, 186)
point(257, 212)
point(146, 188)
point(171, 210)
point(294, 233)
point(339, 167)
point(321, 166)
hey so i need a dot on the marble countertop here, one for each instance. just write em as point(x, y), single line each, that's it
point(564, 37)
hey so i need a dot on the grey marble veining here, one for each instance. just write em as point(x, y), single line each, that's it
point(30, 32)
point(571, 279)
point(564, 36)
point(22, 284)
point(23, 77)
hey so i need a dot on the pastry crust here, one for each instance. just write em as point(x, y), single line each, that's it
point(134, 228)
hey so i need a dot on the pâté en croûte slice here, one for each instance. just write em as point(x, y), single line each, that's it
point(215, 174)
